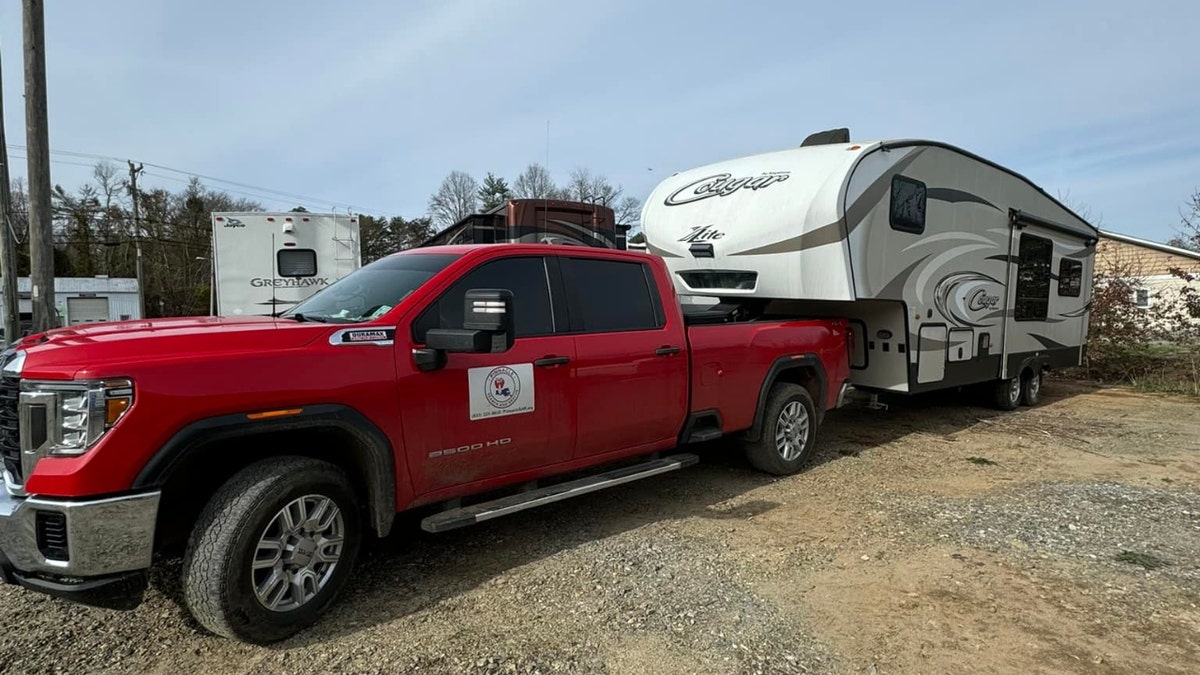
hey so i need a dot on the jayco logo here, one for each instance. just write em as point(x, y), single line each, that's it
point(703, 233)
point(980, 300)
point(722, 185)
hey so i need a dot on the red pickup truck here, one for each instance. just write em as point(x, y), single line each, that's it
point(465, 380)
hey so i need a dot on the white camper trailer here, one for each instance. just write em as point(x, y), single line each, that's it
point(952, 269)
point(265, 263)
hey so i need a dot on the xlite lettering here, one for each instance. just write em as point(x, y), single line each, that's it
point(704, 233)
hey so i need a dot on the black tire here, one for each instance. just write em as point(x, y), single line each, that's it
point(766, 454)
point(1031, 388)
point(1006, 394)
point(218, 582)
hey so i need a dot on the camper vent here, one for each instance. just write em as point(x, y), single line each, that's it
point(828, 137)
point(714, 279)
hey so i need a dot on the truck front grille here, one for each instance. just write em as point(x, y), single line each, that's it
point(10, 432)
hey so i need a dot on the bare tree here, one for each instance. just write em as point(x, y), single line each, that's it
point(534, 183)
point(457, 198)
point(1189, 234)
point(629, 211)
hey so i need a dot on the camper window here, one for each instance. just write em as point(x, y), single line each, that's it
point(297, 262)
point(908, 205)
point(1033, 278)
point(1070, 277)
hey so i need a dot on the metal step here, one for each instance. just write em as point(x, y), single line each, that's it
point(477, 513)
point(704, 435)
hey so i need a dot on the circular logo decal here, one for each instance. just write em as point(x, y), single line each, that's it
point(502, 387)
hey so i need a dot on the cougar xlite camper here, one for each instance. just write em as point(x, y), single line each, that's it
point(954, 270)
point(543, 221)
point(264, 263)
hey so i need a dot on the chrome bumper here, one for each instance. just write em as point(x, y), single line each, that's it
point(103, 536)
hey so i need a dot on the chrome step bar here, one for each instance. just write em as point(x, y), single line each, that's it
point(477, 513)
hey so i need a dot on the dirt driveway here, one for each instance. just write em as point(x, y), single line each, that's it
point(932, 537)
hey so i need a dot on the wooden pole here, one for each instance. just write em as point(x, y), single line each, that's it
point(41, 244)
point(8, 245)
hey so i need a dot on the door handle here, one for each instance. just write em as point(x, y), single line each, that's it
point(666, 351)
point(547, 361)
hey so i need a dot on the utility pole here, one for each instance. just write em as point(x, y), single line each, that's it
point(37, 134)
point(137, 233)
point(8, 245)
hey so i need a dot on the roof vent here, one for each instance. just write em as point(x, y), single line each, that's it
point(828, 137)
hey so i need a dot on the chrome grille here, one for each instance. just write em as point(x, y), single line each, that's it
point(10, 433)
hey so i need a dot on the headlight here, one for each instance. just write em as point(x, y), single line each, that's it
point(68, 418)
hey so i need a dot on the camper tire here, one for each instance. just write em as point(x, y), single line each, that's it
point(1031, 387)
point(1006, 393)
point(789, 431)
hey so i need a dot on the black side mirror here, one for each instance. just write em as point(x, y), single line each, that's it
point(487, 329)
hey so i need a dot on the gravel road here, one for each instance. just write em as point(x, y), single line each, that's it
point(1064, 538)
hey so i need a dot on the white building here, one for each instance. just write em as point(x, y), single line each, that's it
point(84, 300)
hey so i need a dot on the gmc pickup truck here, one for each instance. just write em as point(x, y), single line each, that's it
point(468, 381)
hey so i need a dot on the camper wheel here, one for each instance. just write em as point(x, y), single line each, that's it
point(1031, 387)
point(1006, 393)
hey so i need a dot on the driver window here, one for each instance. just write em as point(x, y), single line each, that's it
point(525, 277)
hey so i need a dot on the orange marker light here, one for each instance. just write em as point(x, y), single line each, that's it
point(115, 407)
point(274, 413)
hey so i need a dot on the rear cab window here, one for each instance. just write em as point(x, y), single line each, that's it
point(611, 295)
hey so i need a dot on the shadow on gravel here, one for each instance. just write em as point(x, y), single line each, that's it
point(412, 570)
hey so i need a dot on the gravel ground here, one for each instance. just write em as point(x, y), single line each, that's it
point(1058, 539)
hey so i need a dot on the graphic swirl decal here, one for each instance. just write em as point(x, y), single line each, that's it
point(966, 298)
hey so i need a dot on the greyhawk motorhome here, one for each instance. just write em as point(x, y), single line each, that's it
point(952, 269)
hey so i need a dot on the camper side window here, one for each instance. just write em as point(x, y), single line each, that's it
point(297, 262)
point(1070, 277)
point(1033, 278)
point(908, 205)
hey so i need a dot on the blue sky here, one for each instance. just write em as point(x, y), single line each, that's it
point(371, 104)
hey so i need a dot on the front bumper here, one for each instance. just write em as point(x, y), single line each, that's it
point(86, 550)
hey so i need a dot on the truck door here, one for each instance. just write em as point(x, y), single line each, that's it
point(485, 416)
point(631, 357)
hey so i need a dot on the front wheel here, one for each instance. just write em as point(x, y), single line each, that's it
point(272, 549)
point(789, 432)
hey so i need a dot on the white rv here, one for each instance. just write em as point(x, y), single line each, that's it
point(953, 270)
point(264, 263)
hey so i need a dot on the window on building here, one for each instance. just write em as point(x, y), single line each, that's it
point(1033, 278)
point(1070, 277)
point(1141, 297)
point(907, 205)
point(525, 277)
point(592, 284)
point(297, 262)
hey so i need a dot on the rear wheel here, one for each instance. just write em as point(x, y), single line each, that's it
point(1006, 394)
point(789, 431)
point(1031, 388)
point(272, 549)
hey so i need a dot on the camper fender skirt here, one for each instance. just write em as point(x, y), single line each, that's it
point(371, 452)
point(780, 369)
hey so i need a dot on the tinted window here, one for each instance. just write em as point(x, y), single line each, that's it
point(372, 290)
point(908, 205)
point(610, 295)
point(1070, 277)
point(525, 277)
point(297, 262)
point(1033, 278)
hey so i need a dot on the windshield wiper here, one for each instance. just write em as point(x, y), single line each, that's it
point(307, 317)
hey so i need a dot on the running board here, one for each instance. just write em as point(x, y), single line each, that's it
point(477, 513)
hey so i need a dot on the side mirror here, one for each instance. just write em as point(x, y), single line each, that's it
point(487, 329)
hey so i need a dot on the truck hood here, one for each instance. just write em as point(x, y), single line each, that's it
point(86, 351)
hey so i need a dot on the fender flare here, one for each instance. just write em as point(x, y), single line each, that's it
point(782, 365)
point(373, 452)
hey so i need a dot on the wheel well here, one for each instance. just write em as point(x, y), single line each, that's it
point(805, 371)
point(208, 464)
point(808, 378)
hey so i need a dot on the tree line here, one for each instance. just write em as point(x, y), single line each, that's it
point(461, 195)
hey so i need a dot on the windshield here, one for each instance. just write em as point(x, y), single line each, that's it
point(370, 291)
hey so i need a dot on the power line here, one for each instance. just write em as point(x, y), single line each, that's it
point(289, 195)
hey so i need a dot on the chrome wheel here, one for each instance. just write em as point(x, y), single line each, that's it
point(1035, 385)
point(791, 431)
point(298, 552)
point(1014, 390)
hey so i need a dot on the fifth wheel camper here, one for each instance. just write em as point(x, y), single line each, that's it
point(952, 269)
point(265, 263)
